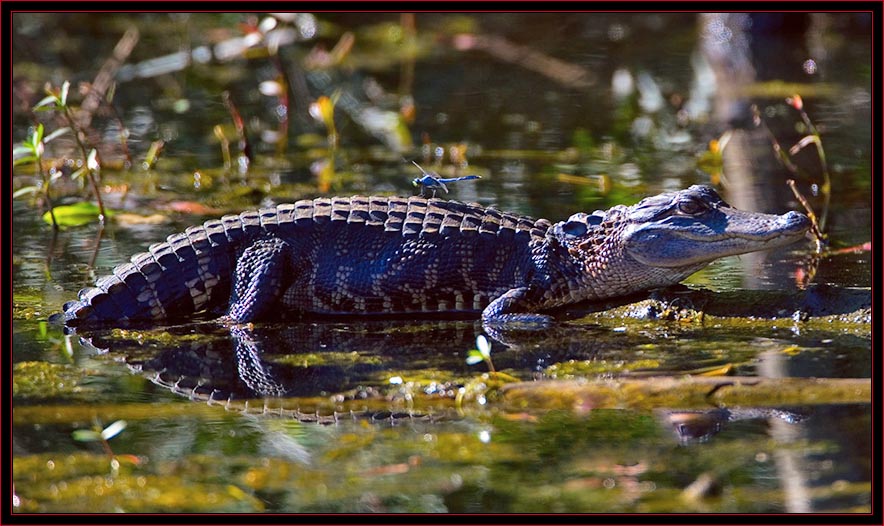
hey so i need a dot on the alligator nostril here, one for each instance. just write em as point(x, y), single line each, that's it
point(797, 219)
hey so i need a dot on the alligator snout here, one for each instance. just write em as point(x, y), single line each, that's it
point(796, 222)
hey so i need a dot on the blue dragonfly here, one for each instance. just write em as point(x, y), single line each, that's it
point(433, 181)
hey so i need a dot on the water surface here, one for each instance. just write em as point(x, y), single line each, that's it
point(607, 109)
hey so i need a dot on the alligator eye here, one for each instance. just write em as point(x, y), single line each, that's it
point(691, 207)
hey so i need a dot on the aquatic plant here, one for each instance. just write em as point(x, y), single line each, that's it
point(97, 434)
point(806, 274)
point(482, 352)
point(31, 151)
point(323, 111)
point(57, 100)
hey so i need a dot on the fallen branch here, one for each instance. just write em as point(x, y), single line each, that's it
point(565, 73)
point(105, 77)
point(682, 393)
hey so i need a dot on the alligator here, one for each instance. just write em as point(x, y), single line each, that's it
point(404, 255)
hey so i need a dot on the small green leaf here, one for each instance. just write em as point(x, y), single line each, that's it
point(474, 356)
point(45, 101)
point(154, 153)
point(86, 435)
point(113, 430)
point(483, 346)
point(37, 136)
point(77, 214)
point(24, 191)
point(56, 133)
point(24, 160)
point(64, 93)
point(25, 148)
point(92, 160)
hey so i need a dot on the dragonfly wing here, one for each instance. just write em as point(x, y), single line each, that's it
point(462, 178)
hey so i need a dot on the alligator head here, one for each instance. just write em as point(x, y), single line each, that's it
point(664, 239)
point(695, 226)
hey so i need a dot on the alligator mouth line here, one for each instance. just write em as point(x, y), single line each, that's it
point(757, 238)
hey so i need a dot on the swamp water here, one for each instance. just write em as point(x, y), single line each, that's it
point(737, 393)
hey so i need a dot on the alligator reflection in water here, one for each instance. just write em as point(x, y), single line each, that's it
point(315, 359)
point(311, 371)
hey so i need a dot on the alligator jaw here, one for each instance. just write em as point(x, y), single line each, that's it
point(679, 241)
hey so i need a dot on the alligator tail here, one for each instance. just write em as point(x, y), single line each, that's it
point(188, 273)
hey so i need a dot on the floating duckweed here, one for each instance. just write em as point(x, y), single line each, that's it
point(46, 380)
point(582, 368)
point(314, 359)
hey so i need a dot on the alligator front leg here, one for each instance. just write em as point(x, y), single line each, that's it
point(263, 272)
point(516, 306)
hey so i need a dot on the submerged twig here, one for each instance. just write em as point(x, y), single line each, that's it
point(98, 235)
point(814, 226)
point(826, 189)
point(805, 277)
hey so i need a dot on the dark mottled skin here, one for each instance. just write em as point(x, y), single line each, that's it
point(391, 255)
